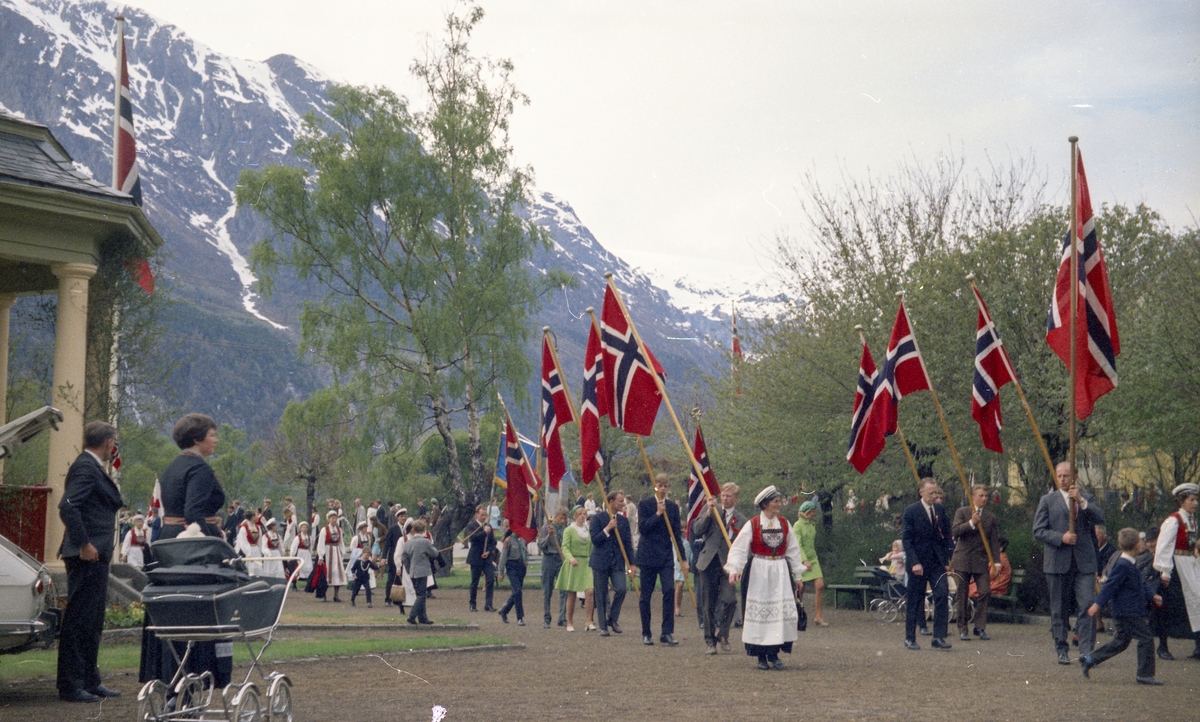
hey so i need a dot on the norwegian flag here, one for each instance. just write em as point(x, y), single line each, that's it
point(903, 369)
point(156, 499)
point(597, 399)
point(992, 371)
point(125, 173)
point(696, 497)
point(737, 343)
point(867, 439)
point(1097, 343)
point(635, 394)
point(556, 411)
point(518, 500)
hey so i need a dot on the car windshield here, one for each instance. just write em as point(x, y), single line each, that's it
point(19, 552)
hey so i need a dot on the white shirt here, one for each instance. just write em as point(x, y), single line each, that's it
point(1164, 550)
point(1067, 500)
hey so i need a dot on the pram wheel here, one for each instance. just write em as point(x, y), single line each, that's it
point(279, 698)
point(887, 610)
point(152, 701)
point(245, 705)
point(191, 695)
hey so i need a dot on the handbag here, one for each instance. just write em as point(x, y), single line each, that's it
point(801, 618)
point(397, 594)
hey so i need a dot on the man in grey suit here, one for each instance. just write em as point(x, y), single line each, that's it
point(717, 597)
point(1070, 557)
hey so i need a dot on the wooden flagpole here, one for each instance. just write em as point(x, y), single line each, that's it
point(662, 389)
point(946, 428)
point(674, 542)
point(612, 514)
point(1037, 433)
point(1074, 205)
point(912, 463)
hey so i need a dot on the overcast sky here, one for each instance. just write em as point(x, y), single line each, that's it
point(680, 132)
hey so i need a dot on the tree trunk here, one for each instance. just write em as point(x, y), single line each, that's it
point(310, 493)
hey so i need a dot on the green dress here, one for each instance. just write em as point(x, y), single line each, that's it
point(806, 536)
point(575, 546)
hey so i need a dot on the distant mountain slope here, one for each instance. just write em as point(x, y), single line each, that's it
point(200, 118)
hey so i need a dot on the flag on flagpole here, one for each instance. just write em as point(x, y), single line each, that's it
point(697, 499)
point(156, 499)
point(992, 371)
point(597, 399)
point(635, 394)
point(903, 370)
point(522, 482)
point(737, 343)
point(556, 411)
point(500, 477)
point(866, 439)
point(125, 176)
point(1097, 343)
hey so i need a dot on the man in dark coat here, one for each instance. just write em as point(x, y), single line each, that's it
point(656, 557)
point(481, 556)
point(718, 598)
point(608, 562)
point(970, 560)
point(927, 540)
point(88, 511)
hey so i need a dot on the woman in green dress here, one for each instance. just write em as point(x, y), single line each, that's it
point(806, 534)
point(576, 575)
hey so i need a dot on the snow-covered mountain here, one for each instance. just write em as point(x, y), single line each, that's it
point(200, 118)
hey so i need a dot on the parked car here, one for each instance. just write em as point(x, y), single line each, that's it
point(28, 615)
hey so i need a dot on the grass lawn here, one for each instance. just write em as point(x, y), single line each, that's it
point(115, 657)
point(351, 618)
point(460, 578)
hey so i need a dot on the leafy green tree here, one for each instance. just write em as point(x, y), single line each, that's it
point(308, 443)
point(410, 222)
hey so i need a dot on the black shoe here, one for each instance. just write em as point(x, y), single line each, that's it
point(964, 636)
point(911, 644)
point(473, 609)
point(616, 628)
point(982, 634)
point(647, 640)
point(605, 633)
point(1149, 680)
point(429, 596)
point(387, 602)
point(925, 632)
point(762, 664)
point(79, 695)
point(562, 622)
point(520, 622)
point(1164, 654)
point(504, 617)
point(668, 640)
point(102, 691)
point(351, 603)
point(426, 621)
point(411, 620)
point(1086, 664)
point(776, 664)
point(489, 608)
point(939, 643)
point(545, 625)
point(1063, 658)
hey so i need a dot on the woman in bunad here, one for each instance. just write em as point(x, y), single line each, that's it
point(135, 542)
point(1177, 561)
point(272, 545)
point(767, 560)
point(302, 547)
point(249, 542)
point(330, 548)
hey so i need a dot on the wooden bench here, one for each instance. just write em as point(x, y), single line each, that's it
point(865, 584)
point(1012, 598)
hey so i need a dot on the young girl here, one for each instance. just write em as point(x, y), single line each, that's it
point(895, 560)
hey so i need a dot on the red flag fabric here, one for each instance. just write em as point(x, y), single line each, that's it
point(139, 268)
point(628, 372)
point(903, 370)
point(992, 371)
point(1097, 342)
point(556, 411)
point(697, 499)
point(597, 399)
point(867, 439)
point(518, 504)
point(125, 172)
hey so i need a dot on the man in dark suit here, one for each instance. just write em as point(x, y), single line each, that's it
point(970, 560)
point(1070, 557)
point(927, 545)
point(481, 557)
point(88, 511)
point(656, 557)
point(717, 597)
point(608, 562)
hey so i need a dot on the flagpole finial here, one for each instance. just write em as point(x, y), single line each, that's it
point(120, 18)
point(858, 327)
point(899, 294)
point(545, 329)
point(608, 274)
point(590, 309)
point(1073, 139)
point(970, 276)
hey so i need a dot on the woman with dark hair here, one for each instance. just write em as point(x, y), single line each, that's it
point(191, 494)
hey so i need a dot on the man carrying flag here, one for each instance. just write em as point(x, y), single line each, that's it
point(992, 371)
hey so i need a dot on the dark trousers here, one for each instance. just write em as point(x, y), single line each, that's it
point(1084, 586)
point(984, 584)
point(1127, 630)
point(516, 577)
point(551, 563)
point(718, 602)
point(392, 578)
point(489, 578)
point(914, 615)
point(650, 577)
point(83, 621)
point(363, 582)
point(417, 613)
point(608, 613)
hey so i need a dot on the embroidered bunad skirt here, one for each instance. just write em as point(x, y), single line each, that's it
point(769, 618)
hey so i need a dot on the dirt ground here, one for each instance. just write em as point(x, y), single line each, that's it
point(854, 669)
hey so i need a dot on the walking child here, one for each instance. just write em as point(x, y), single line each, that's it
point(361, 569)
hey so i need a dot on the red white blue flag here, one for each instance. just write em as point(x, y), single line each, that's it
point(992, 371)
point(556, 411)
point(629, 372)
point(597, 400)
point(1097, 343)
point(522, 483)
point(697, 499)
point(903, 369)
point(868, 439)
point(125, 172)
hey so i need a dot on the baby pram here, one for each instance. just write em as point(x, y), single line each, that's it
point(200, 592)
point(892, 602)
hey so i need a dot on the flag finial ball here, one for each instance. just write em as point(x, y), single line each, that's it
point(590, 309)
point(899, 294)
point(858, 327)
point(970, 276)
point(608, 274)
point(545, 329)
point(1073, 139)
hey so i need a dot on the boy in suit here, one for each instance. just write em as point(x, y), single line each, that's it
point(1131, 594)
point(361, 570)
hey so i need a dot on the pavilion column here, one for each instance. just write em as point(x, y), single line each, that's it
point(6, 303)
point(67, 392)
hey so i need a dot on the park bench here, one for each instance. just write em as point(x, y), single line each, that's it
point(1014, 590)
point(866, 581)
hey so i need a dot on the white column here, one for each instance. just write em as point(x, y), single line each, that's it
point(67, 392)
